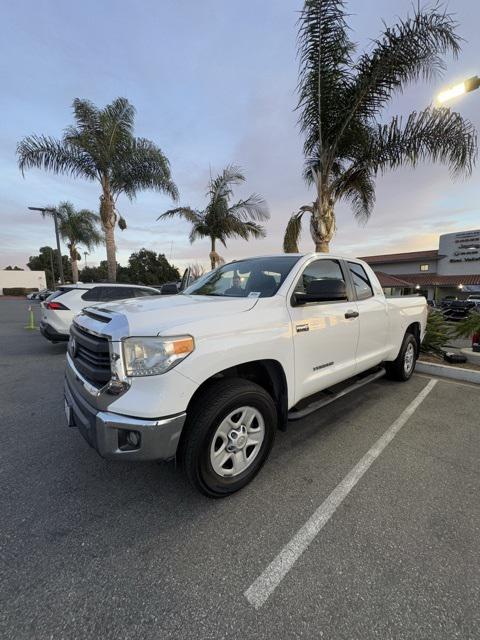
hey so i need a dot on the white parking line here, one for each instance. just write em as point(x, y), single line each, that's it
point(258, 592)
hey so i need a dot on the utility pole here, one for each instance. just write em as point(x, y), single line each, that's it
point(51, 210)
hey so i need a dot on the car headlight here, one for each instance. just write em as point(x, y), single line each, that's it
point(156, 355)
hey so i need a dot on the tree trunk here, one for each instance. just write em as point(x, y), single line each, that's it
point(111, 254)
point(322, 224)
point(213, 253)
point(109, 218)
point(73, 258)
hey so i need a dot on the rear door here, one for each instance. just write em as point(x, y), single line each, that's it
point(325, 334)
point(373, 339)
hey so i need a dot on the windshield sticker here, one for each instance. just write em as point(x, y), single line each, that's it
point(254, 294)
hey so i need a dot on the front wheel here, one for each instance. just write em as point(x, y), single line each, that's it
point(403, 366)
point(229, 434)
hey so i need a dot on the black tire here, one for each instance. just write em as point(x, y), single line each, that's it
point(398, 370)
point(203, 420)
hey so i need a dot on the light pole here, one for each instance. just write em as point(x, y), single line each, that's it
point(459, 89)
point(43, 211)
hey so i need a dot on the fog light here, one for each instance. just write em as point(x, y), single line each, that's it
point(133, 438)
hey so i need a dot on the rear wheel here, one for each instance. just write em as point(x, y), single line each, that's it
point(229, 434)
point(403, 366)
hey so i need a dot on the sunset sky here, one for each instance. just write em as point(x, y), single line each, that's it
point(213, 83)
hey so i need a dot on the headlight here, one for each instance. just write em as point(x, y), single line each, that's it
point(153, 356)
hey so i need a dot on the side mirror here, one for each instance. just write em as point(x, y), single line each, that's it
point(169, 289)
point(331, 290)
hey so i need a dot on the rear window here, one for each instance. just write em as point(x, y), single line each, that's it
point(105, 293)
point(94, 295)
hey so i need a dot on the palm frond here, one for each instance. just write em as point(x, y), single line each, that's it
point(58, 156)
point(245, 230)
point(187, 213)
point(221, 186)
point(253, 208)
point(324, 52)
point(142, 165)
point(78, 227)
point(293, 233)
point(116, 122)
point(467, 327)
point(412, 49)
point(86, 114)
point(437, 135)
point(357, 186)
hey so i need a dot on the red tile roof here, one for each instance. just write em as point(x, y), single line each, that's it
point(411, 256)
point(387, 280)
point(433, 279)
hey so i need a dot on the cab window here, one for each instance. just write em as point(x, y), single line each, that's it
point(325, 269)
point(361, 282)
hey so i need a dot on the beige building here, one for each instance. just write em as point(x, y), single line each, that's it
point(24, 279)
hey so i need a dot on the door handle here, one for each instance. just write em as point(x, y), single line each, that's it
point(351, 314)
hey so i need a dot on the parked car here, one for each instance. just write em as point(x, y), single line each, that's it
point(207, 376)
point(39, 295)
point(475, 298)
point(60, 307)
point(457, 309)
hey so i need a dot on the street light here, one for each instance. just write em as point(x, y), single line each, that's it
point(43, 211)
point(459, 89)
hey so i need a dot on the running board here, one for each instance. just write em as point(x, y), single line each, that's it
point(318, 404)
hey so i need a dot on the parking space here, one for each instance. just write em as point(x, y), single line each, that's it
point(92, 548)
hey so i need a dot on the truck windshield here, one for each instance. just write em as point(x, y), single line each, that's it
point(253, 278)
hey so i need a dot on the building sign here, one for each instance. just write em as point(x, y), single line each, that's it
point(459, 253)
point(467, 247)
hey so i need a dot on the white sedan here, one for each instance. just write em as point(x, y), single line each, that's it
point(59, 309)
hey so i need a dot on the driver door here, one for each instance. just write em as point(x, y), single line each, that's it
point(325, 334)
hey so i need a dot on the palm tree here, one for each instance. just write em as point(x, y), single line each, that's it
point(221, 220)
point(101, 147)
point(340, 99)
point(77, 228)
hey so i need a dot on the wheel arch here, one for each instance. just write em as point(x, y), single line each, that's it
point(414, 330)
point(268, 374)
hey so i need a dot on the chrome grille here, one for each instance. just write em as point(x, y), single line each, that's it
point(91, 355)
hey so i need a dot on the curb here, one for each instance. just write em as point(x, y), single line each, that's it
point(445, 371)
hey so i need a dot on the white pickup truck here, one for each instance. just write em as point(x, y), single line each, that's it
point(209, 375)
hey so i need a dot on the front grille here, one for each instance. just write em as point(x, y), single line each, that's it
point(91, 356)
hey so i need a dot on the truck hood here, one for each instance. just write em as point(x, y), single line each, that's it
point(152, 315)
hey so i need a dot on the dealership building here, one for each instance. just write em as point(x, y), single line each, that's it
point(451, 270)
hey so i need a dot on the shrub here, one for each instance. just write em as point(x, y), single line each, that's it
point(18, 291)
point(15, 291)
point(437, 333)
point(468, 327)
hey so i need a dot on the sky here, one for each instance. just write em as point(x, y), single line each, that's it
point(213, 83)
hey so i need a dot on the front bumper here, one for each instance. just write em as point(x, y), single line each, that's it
point(107, 432)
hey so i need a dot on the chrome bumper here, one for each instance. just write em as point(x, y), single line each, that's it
point(107, 432)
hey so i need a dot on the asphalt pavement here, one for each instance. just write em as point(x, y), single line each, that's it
point(98, 549)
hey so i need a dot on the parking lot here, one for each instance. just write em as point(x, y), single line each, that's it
point(97, 549)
